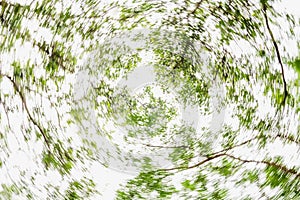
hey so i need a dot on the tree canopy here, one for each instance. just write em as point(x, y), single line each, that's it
point(62, 100)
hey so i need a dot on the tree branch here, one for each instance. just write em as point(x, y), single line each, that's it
point(288, 138)
point(235, 146)
point(195, 165)
point(281, 167)
point(211, 156)
point(223, 152)
point(17, 89)
point(277, 53)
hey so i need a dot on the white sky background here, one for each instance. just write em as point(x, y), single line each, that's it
point(107, 180)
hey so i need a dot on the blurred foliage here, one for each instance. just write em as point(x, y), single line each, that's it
point(248, 54)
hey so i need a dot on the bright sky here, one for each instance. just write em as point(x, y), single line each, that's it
point(107, 180)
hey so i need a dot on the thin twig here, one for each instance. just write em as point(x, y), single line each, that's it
point(6, 113)
point(166, 147)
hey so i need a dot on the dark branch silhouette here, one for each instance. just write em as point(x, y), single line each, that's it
point(277, 53)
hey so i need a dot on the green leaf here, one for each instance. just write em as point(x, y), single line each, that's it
point(188, 185)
